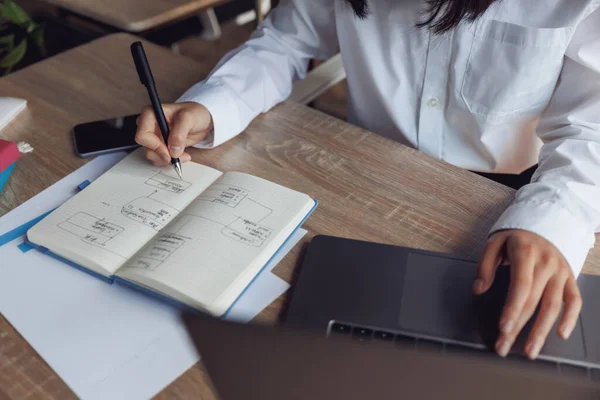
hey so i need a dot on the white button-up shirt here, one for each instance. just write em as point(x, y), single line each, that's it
point(518, 86)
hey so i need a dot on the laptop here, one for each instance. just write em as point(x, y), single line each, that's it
point(376, 292)
point(253, 362)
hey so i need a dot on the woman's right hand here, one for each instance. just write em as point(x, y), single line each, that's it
point(189, 123)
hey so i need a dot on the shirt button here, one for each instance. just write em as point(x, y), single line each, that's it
point(433, 102)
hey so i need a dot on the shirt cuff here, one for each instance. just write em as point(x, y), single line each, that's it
point(556, 224)
point(223, 110)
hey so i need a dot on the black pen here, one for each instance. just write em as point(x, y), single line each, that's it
point(143, 70)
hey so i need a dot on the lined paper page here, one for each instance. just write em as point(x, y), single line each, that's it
point(110, 220)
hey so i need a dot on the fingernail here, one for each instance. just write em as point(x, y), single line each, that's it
point(503, 347)
point(185, 157)
point(166, 158)
point(566, 331)
point(506, 326)
point(478, 286)
point(533, 349)
point(175, 151)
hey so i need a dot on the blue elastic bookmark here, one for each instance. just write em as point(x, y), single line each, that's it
point(83, 185)
point(24, 247)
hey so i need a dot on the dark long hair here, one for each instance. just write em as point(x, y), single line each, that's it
point(441, 15)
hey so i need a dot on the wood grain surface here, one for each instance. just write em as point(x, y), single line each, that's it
point(368, 187)
point(135, 15)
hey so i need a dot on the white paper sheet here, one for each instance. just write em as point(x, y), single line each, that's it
point(104, 341)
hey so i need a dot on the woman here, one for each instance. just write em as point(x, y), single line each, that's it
point(490, 86)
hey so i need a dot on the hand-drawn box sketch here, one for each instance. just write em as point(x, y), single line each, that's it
point(228, 195)
point(247, 232)
point(166, 182)
point(90, 229)
point(152, 256)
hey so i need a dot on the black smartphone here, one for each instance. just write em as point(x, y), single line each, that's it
point(107, 136)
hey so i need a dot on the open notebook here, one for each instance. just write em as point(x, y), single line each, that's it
point(199, 241)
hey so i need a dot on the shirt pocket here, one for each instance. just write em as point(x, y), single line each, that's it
point(511, 68)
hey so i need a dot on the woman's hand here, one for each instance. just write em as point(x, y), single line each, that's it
point(539, 274)
point(189, 123)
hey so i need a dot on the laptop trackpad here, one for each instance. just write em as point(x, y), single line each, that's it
point(437, 301)
point(437, 298)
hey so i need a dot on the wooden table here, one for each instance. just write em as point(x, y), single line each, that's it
point(368, 187)
point(135, 15)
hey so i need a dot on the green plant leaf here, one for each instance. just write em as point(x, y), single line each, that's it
point(14, 13)
point(8, 40)
point(37, 36)
point(30, 26)
point(7, 43)
point(13, 57)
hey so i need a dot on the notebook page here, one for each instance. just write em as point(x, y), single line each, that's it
point(111, 219)
point(226, 235)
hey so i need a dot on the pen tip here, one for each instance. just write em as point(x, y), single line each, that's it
point(178, 170)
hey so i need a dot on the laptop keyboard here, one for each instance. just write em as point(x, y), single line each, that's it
point(369, 334)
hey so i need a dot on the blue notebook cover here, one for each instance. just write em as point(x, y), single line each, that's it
point(160, 296)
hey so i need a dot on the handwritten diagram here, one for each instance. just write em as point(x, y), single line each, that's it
point(90, 229)
point(149, 212)
point(241, 230)
point(247, 232)
point(228, 208)
point(166, 182)
point(159, 251)
point(228, 195)
point(242, 224)
point(237, 198)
